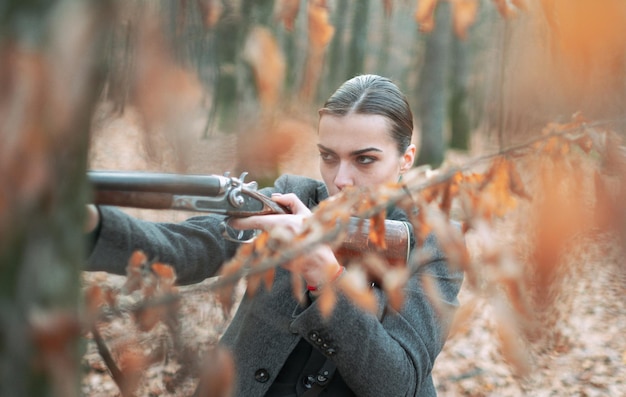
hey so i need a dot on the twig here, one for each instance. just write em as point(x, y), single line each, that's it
point(103, 350)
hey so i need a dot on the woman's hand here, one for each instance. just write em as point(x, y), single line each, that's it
point(92, 220)
point(293, 221)
point(320, 265)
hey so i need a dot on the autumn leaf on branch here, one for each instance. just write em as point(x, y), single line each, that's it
point(320, 29)
point(505, 9)
point(286, 12)
point(265, 57)
point(463, 16)
point(217, 374)
point(320, 32)
point(425, 15)
point(211, 11)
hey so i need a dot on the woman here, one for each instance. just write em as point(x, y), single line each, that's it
point(280, 346)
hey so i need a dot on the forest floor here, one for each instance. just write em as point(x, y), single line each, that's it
point(587, 359)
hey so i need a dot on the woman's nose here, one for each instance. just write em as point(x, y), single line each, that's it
point(344, 177)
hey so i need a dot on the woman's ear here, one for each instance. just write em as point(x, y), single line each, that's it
point(408, 158)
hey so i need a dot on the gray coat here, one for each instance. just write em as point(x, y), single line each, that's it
point(388, 354)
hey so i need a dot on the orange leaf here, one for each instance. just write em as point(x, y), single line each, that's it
point(137, 258)
point(211, 11)
point(393, 284)
point(431, 193)
point(504, 8)
point(225, 296)
point(425, 14)
point(297, 286)
point(287, 12)
point(147, 318)
point(520, 4)
point(463, 15)
point(134, 277)
point(326, 301)
point(320, 30)
point(132, 363)
point(54, 332)
point(265, 57)
point(585, 143)
point(355, 286)
point(377, 230)
point(388, 7)
point(217, 374)
point(515, 182)
point(462, 316)
point(268, 278)
point(94, 299)
point(433, 293)
point(163, 271)
point(512, 348)
point(423, 227)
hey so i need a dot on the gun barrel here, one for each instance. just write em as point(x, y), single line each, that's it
point(199, 185)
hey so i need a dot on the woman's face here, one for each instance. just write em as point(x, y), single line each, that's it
point(358, 150)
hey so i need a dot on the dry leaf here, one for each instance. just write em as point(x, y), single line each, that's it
point(268, 278)
point(134, 271)
point(326, 301)
point(520, 4)
point(287, 11)
point(388, 7)
point(504, 8)
point(355, 286)
point(148, 317)
point(425, 15)
point(512, 347)
point(462, 316)
point(393, 284)
point(421, 226)
point(217, 375)
point(265, 57)
point(211, 11)
point(463, 16)
point(166, 276)
point(377, 230)
point(320, 29)
point(515, 182)
point(132, 363)
point(429, 283)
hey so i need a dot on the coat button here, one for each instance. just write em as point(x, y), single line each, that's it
point(261, 375)
point(330, 352)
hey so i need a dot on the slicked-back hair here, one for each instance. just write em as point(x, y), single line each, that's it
point(376, 95)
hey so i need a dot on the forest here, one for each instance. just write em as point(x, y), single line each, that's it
point(519, 118)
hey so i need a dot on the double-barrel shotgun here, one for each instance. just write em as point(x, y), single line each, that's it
point(231, 197)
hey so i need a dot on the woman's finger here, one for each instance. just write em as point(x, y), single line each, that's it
point(291, 201)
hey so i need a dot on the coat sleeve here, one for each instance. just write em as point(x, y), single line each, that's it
point(391, 353)
point(195, 247)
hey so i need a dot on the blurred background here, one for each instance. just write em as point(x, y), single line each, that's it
point(214, 86)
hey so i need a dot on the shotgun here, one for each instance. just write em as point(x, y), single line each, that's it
point(231, 197)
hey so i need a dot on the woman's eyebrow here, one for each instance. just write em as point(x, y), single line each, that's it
point(362, 151)
point(354, 153)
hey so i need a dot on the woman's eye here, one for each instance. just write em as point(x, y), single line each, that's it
point(365, 159)
point(326, 157)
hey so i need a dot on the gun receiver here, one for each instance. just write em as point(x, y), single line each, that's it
point(227, 196)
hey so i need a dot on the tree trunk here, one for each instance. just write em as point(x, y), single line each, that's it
point(358, 42)
point(43, 190)
point(335, 66)
point(432, 89)
point(459, 117)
